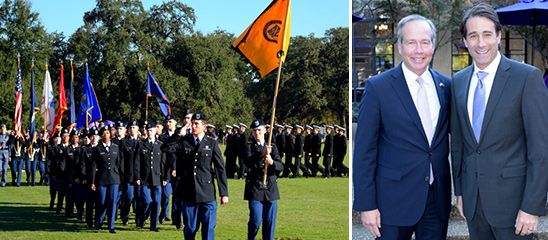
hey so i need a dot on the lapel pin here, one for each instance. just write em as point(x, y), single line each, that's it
point(442, 85)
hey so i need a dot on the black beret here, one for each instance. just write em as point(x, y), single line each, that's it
point(158, 122)
point(73, 132)
point(134, 123)
point(169, 117)
point(121, 124)
point(150, 125)
point(65, 130)
point(199, 116)
point(257, 123)
point(93, 131)
point(188, 111)
point(105, 128)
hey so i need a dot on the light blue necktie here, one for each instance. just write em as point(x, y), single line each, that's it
point(478, 108)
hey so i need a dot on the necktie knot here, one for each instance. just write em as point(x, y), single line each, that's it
point(420, 81)
point(481, 75)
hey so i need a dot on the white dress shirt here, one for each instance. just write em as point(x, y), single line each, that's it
point(487, 81)
point(431, 92)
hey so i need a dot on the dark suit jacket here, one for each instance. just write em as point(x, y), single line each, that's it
point(289, 144)
point(392, 156)
point(328, 146)
point(298, 148)
point(256, 162)
point(280, 143)
point(196, 167)
point(107, 166)
point(315, 144)
point(149, 163)
point(508, 167)
point(127, 148)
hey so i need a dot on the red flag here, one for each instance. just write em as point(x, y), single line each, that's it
point(18, 99)
point(62, 102)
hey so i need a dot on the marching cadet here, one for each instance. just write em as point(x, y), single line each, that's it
point(211, 131)
point(80, 175)
point(41, 144)
point(262, 198)
point(91, 141)
point(107, 167)
point(228, 132)
point(159, 128)
point(280, 139)
point(196, 154)
point(33, 157)
point(169, 190)
point(306, 147)
point(126, 184)
point(243, 141)
point(69, 172)
point(327, 152)
point(60, 164)
point(289, 146)
point(149, 172)
point(298, 153)
point(143, 131)
point(315, 151)
point(267, 134)
point(18, 151)
point(131, 193)
point(51, 168)
point(231, 152)
point(4, 154)
point(340, 153)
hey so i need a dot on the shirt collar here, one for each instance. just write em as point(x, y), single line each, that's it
point(411, 77)
point(106, 145)
point(492, 68)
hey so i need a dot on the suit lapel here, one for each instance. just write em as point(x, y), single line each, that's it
point(402, 91)
point(501, 77)
point(462, 99)
point(440, 89)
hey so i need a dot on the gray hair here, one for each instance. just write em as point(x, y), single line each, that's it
point(415, 17)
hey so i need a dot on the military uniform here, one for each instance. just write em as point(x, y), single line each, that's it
point(4, 157)
point(327, 154)
point(339, 152)
point(127, 146)
point(198, 162)
point(18, 151)
point(107, 167)
point(262, 198)
point(231, 154)
point(298, 153)
point(51, 171)
point(289, 146)
point(243, 141)
point(149, 162)
point(315, 151)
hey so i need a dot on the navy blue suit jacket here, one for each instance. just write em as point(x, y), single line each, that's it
point(391, 152)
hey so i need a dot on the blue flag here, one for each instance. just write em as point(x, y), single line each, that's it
point(33, 105)
point(154, 90)
point(89, 107)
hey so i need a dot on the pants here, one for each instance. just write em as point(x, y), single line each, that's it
point(315, 166)
point(79, 199)
point(167, 190)
point(30, 168)
point(288, 166)
point(479, 228)
point(242, 168)
point(176, 213)
point(264, 211)
point(4, 160)
point(42, 169)
point(327, 165)
point(53, 189)
point(206, 213)
point(429, 227)
point(139, 203)
point(301, 166)
point(231, 166)
point(17, 170)
point(62, 188)
point(91, 199)
point(106, 204)
point(127, 200)
point(70, 198)
point(151, 203)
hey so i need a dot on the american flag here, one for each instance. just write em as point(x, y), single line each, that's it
point(18, 100)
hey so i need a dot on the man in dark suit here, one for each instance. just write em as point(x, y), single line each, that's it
point(199, 160)
point(106, 171)
point(289, 145)
point(327, 152)
point(402, 183)
point(149, 172)
point(315, 151)
point(263, 198)
point(499, 136)
point(231, 152)
point(298, 153)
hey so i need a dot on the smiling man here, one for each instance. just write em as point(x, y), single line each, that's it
point(499, 136)
point(401, 168)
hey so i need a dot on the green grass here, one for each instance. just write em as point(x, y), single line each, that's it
point(313, 208)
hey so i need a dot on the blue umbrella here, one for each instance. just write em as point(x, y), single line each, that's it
point(525, 13)
point(356, 18)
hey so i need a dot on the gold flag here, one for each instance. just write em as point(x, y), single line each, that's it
point(266, 36)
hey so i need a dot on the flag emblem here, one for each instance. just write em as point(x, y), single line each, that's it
point(272, 30)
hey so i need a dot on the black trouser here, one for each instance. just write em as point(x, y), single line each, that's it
point(242, 168)
point(315, 166)
point(299, 165)
point(231, 167)
point(62, 187)
point(327, 164)
point(288, 166)
point(53, 189)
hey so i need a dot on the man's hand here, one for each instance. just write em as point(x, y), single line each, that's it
point(164, 183)
point(93, 187)
point(459, 206)
point(268, 160)
point(372, 221)
point(224, 200)
point(138, 182)
point(267, 150)
point(77, 180)
point(184, 129)
point(526, 223)
point(174, 173)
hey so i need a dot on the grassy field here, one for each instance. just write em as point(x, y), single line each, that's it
point(313, 208)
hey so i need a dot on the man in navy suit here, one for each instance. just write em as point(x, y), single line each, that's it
point(499, 136)
point(401, 174)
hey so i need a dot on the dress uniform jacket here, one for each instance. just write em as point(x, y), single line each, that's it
point(18, 149)
point(127, 147)
point(315, 144)
point(256, 162)
point(232, 145)
point(307, 141)
point(107, 165)
point(289, 145)
point(149, 162)
point(68, 158)
point(328, 146)
point(298, 148)
point(280, 142)
point(196, 167)
point(86, 162)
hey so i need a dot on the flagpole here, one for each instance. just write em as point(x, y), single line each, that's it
point(280, 56)
point(146, 106)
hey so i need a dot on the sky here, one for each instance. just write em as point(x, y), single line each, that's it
point(308, 16)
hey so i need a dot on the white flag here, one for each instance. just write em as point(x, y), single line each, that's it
point(48, 104)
